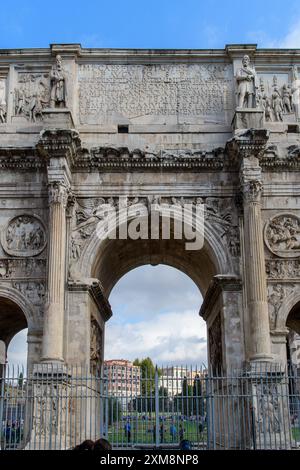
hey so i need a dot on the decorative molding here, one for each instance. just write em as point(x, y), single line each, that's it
point(121, 158)
point(59, 143)
point(93, 286)
point(219, 283)
point(247, 143)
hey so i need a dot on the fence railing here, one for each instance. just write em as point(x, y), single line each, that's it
point(58, 407)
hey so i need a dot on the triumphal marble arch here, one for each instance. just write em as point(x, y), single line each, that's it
point(83, 127)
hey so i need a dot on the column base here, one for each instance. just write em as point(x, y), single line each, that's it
point(52, 360)
point(262, 358)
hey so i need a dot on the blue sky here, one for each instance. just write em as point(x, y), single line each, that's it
point(150, 24)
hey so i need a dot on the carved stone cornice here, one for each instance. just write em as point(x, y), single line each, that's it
point(121, 158)
point(59, 143)
point(248, 143)
point(277, 159)
point(58, 193)
point(219, 283)
point(20, 158)
point(94, 288)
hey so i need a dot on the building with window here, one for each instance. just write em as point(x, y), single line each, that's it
point(122, 379)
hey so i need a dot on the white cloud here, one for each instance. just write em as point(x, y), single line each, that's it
point(17, 349)
point(173, 338)
point(156, 314)
point(292, 39)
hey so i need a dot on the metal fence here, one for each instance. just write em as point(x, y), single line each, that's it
point(58, 407)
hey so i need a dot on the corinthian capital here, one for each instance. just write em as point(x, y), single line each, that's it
point(58, 193)
point(252, 190)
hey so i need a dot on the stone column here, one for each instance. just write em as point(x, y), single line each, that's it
point(54, 311)
point(256, 284)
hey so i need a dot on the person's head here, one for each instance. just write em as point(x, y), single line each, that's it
point(85, 445)
point(58, 60)
point(246, 60)
point(101, 444)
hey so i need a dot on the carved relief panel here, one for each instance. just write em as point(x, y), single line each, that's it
point(3, 99)
point(282, 235)
point(276, 295)
point(96, 345)
point(278, 95)
point(24, 236)
point(31, 95)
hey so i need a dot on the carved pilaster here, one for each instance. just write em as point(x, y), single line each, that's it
point(54, 311)
point(246, 149)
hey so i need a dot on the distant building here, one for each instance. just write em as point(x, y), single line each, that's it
point(122, 380)
point(172, 378)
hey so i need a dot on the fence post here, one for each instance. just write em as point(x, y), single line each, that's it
point(156, 409)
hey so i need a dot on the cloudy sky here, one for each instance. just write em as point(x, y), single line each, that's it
point(150, 24)
point(156, 314)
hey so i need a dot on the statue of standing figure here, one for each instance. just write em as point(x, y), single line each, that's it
point(58, 85)
point(296, 92)
point(247, 84)
point(2, 101)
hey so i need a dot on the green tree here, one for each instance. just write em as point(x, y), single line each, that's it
point(198, 406)
point(114, 410)
point(164, 400)
point(21, 380)
point(146, 401)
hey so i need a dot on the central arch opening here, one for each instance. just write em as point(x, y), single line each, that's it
point(156, 315)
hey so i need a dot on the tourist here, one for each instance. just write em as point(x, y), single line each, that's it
point(173, 432)
point(127, 429)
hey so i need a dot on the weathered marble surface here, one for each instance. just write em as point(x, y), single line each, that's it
point(187, 141)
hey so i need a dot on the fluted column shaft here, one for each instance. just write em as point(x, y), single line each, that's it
point(256, 284)
point(54, 310)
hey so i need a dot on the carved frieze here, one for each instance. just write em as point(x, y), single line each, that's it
point(283, 269)
point(33, 290)
point(20, 268)
point(107, 90)
point(32, 95)
point(24, 236)
point(282, 235)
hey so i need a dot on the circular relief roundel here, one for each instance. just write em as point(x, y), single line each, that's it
point(282, 235)
point(24, 236)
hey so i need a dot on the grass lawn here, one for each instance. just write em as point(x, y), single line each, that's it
point(296, 434)
point(142, 431)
